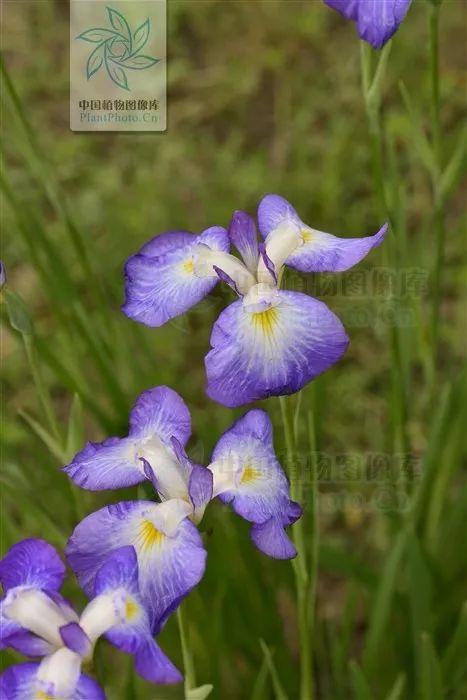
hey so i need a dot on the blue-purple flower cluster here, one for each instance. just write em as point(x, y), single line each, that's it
point(137, 560)
point(270, 342)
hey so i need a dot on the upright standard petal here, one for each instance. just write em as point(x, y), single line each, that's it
point(32, 562)
point(258, 488)
point(160, 286)
point(242, 233)
point(315, 251)
point(272, 352)
point(171, 557)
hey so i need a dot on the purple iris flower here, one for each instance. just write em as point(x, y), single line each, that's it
point(270, 342)
point(37, 621)
point(160, 426)
point(376, 20)
point(248, 475)
point(170, 553)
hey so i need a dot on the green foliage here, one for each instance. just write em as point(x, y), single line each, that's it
point(263, 97)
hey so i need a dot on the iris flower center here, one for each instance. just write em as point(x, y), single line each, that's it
point(149, 536)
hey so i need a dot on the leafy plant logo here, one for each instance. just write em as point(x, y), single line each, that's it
point(118, 49)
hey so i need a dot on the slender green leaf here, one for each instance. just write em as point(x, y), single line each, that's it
point(279, 691)
point(361, 687)
point(454, 660)
point(431, 683)
point(397, 689)
point(52, 444)
point(75, 434)
point(199, 693)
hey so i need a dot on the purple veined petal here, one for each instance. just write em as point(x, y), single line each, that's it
point(378, 20)
point(347, 8)
point(200, 489)
point(110, 464)
point(242, 233)
point(318, 251)
point(273, 211)
point(261, 488)
point(75, 639)
point(160, 411)
point(323, 252)
point(152, 664)
point(185, 462)
point(160, 288)
point(170, 565)
point(274, 352)
point(271, 538)
point(268, 264)
point(167, 242)
point(32, 562)
point(120, 570)
point(224, 277)
point(20, 682)
point(25, 642)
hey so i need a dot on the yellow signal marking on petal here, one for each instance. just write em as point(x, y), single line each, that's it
point(40, 695)
point(265, 321)
point(131, 609)
point(188, 267)
point(306, 236)
point(149, 536)
point(249, 474)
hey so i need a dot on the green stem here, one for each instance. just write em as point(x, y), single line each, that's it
point(438, 212)
point(304, 584)
point(188, 662)
point(371, 88)
point(42, 391)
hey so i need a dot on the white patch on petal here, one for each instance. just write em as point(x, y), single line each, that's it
point(280, 243)
point(171, 479)
point(205, 259)
point(59, 673)
point(103, 612)
point(36, 612)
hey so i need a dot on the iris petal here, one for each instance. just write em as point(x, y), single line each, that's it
point(259, 490)
point(273, 352)
point(32, 562)
point(242, 233)
point(162, 412)
point(318, 251)
point(170, 565)
point(20, 682)
point(160, 287)
point(377, 20)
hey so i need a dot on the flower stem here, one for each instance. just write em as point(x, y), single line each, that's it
point(304, 582)
point(438, 213)
point(371, 88)
point(188, 663)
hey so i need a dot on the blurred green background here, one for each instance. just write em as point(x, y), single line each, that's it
point(262, 97)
